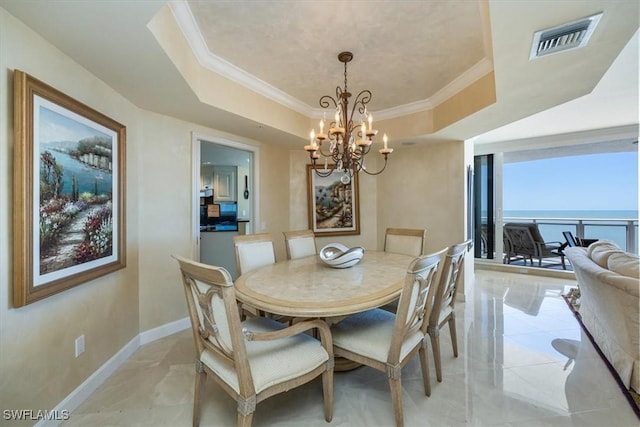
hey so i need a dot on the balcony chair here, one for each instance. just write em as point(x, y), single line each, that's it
point(408, 241)
point(300, 243)
point(386, 342)
point(573, 241)
point(444, 302)
point(254, 359)
point(524, 240)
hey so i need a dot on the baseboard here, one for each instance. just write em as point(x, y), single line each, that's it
point(164, 331)
point(519, 269)
point(84, 390)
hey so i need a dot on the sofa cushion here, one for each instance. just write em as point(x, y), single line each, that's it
point(600, 252)
point(624, 263)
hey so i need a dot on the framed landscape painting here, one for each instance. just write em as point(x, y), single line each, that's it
point(333, 206)
point(69, 174)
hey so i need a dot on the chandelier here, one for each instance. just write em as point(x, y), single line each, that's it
point(348, 142)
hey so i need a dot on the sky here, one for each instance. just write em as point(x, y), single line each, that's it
point(606, 181)
point(58, 124)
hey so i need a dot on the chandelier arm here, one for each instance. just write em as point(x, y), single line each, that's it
point(363, 98)
point(322, 153)
point(320, 172)
point(324, 101)
point(380, 171)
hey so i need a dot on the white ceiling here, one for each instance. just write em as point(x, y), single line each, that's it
point(406, 52)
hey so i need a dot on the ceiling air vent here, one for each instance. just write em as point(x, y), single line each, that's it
point(564, 37)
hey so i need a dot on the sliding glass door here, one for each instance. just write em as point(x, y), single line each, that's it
point(484, 207)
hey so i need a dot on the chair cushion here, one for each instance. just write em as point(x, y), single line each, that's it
point(408, 245)
point(255, 255)
point(271, 362)
point(625, 264)
point(302, 247)
point(369, 333)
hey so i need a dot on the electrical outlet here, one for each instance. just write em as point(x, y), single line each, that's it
point(79, 345)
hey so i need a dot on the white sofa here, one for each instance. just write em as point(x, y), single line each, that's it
point(609, 283)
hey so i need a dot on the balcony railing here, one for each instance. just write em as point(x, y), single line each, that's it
point(622, 231)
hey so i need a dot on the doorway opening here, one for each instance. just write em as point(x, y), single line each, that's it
point(224, 180)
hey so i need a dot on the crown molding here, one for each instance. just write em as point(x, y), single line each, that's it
point(479, 70)
point(187, 24)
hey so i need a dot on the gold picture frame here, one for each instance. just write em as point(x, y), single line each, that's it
point(334, 208)
point(68, 194)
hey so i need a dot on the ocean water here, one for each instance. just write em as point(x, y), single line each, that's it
point(576, 214)
point(598, 224)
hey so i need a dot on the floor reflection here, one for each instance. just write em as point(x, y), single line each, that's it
point(523, 360)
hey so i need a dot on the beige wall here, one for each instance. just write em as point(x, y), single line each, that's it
point(299, 220)
point(37, 341)
point(274, 196)
point(165, 203)
point(423, 187)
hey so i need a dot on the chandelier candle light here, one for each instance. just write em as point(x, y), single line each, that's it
point(349, 143)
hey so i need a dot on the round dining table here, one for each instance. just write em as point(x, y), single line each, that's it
point(307, 287)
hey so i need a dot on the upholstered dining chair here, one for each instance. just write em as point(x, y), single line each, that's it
point(408, 241)
point(254, 359)
point(253, 251)
point(387, 341)
point(444, 302)
point(300, 243)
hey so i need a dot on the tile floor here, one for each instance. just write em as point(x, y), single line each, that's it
point(523, 362)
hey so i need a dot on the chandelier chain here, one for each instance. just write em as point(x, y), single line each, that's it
point(345, 78)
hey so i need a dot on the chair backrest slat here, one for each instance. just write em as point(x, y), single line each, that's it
point(520, 238)
point(214, 315)
point(416, 301)
point(447, 287)
point(571, 240)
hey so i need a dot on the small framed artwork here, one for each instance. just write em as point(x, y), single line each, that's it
point(333, 203)
point(68, 197)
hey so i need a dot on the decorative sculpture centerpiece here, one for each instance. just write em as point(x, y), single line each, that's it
point(337, 255)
